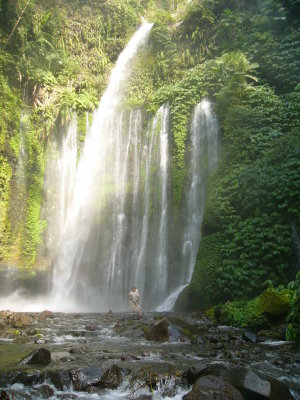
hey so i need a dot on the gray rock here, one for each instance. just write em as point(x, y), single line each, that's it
point(39, 356)
point(85, 377)
point(212, 387)
point(112, 378)
point(252, 385)
point(159, 332)
point(250, 337)
point(193, 373)
point(61, 379)
point(197, 339)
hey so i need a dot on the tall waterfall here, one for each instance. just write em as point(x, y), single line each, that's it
point(204, 151)
point(111, 222)
point(91, 258)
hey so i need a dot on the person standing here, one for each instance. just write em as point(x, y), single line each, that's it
point(134, 298)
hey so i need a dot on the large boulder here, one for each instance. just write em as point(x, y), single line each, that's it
point(211, 387)
point(60, 378)
point(19, 320)
point(274, 303)
point(45, 314)
point(159, 332)
point(112, 378)
point(172, 329)
point(251, 384)
point(39, 356)
point(85, 377)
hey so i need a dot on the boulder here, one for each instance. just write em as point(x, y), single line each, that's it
point(85, 377)
point(159, 332)
point(20, 320)
point(274, 303)
point(61, 379)
point(193, 373)
point(251, 384)
point(39, 356)
point(249, 337)
point(173, 329)
point(210, 387)
point(46, 391)
point(112, 378)
point(45, 314)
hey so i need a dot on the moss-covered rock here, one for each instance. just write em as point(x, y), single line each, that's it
point(274, 302)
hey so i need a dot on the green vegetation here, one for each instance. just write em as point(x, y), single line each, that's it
point(271, 307)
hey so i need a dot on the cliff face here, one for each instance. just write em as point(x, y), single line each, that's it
point(241, 55)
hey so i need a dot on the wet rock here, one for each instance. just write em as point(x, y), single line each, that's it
point(45, 314)
point(252, 385)
point(39, 356)
point(46, 391)
point(112, 378)
point(31, 332)
point(159, 332)
point(249, 337)
point(212, 387)
point(90, 328)
point(197, 339)
point(212, 338)
point(76, 350)
point(25, 378)
point(84, 377)
point(78, 333)
point(61, 379)
point(244, 354)
point(19, 320)
point(193, 373)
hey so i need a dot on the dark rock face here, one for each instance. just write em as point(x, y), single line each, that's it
point(193, 373)
point(85, 377)
point(210, 387)
point(251, 384)
point(112, 378)
point(249, 337)
point(61, 379)
point(159, 331)
point(39, 356)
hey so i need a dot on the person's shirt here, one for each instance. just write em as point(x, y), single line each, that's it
point(134, 296)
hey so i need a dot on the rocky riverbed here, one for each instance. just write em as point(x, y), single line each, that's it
point(161, 355)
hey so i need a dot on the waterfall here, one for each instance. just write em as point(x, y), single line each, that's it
point(59, 179)
point(93, 244)
point(161, 275)
point(204, 151)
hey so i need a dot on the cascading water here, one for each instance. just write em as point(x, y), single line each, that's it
point(97, 216)
point(59, 183)
point(204, 151)
point(112, 224)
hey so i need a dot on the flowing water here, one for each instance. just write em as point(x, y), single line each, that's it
point(59, 183)
point(111, 223)
point(204, 151)
point(97, 212)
